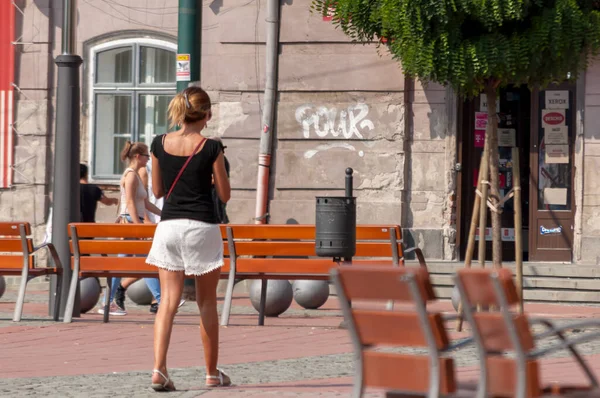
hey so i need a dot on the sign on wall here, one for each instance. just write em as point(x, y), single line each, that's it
point(7, 37)
point(557, 99)
point(184, 69)
point(553, 118)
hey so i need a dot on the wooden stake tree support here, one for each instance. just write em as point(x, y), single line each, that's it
point(516, 190)
point(480, 213)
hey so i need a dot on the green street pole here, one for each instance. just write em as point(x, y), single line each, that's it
point(189, 43)
point(189, 53)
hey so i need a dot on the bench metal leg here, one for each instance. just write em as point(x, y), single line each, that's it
point(71, 299)
point(21, 297)
point(228, 298)
point(56, 309)
point(263, 301)
point(107, 299)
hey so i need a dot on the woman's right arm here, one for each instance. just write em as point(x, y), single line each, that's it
point(220, 178)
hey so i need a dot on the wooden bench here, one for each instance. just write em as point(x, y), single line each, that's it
point(92, 243)
point(260, 251)
point(18, 259)
point(371, 327)
point(94, 250)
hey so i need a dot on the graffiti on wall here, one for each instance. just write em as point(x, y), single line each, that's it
point(322, 122)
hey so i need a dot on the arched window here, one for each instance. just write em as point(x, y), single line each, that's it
point(131, 84)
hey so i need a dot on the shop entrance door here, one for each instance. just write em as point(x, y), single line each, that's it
point(514, 110)
point(552, 194)
point(541, 125)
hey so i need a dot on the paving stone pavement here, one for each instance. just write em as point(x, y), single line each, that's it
point(301, 354)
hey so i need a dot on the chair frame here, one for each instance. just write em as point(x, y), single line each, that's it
point(420, 305)
point(26, 277)
point(521, 355)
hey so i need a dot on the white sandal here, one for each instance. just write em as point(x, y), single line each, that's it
point(166, 386)
point(224, 380)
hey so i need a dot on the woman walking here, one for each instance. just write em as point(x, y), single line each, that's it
point(134, 203)
point(187, 240)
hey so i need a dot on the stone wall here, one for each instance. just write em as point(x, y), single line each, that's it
point(27, 199)
point(590, 225)
point(339, 105)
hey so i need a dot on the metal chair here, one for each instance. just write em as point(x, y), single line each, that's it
point(19, 260)
point(499, 330)
point(410, 325)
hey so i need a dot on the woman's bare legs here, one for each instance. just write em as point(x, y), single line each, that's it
point(206, 298)
point(171, 283)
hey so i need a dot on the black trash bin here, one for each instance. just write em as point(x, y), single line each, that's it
point(335, 226)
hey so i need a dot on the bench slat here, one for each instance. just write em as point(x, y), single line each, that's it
point(113, 230)
point(13, 262)
point(13, 245)
point(380, 328)
point(363, 249)
point(127, 264)
point(119, 246)
point(405, 372)
point(12, 228)
point(305, 232)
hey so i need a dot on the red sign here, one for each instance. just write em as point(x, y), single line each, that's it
point(7, 55)
point(554, 118)
point(479, 138)
point(481, 120)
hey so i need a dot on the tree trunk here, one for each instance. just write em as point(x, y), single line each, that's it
point(491, 138)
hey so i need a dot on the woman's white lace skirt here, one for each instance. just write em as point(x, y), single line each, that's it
point(194, 247)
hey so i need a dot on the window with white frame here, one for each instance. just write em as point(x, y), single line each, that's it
point(131, 84)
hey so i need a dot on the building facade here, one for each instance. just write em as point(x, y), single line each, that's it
point(414, 149)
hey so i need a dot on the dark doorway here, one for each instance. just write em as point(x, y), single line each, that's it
point(514, 112)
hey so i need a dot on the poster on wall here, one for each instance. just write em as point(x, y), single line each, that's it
point(557, 99)
point(553, 118)
point(507, 137)
point(481, 120)
point(479, 138)
point(556, 135)
point(557, 154)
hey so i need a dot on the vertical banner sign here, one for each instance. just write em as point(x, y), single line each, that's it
point(7, 69)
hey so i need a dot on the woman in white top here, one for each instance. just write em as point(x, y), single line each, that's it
point(133, 205)
point(134, 197)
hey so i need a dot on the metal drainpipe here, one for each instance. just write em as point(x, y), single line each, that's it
point(266, 138)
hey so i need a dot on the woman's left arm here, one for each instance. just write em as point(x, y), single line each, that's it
point(157, 183)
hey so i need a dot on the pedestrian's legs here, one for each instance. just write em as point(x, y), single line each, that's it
point(154, 287)
point(172, 285)
point(206, 297)
point(113, 288)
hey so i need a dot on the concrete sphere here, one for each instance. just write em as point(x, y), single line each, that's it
point(310, 294)
point(2, 285)
point(455, 298)
point(279, 296)
point(139, 293)
point(89, 292)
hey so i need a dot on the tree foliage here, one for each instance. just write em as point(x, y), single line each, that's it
point(467, 43)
